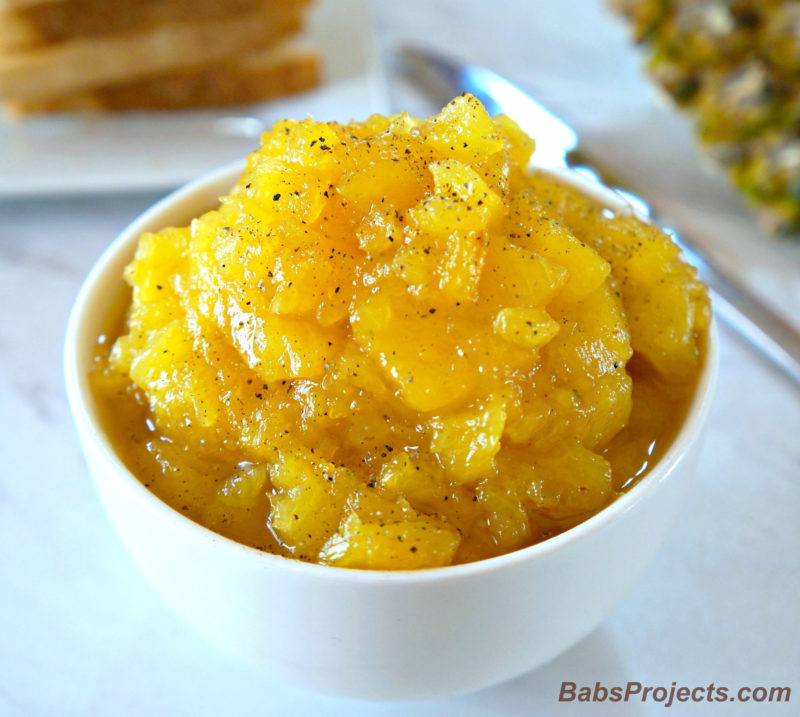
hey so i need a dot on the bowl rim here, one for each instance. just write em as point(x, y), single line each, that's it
point(90, 429)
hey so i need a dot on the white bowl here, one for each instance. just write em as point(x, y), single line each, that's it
point(392, 635)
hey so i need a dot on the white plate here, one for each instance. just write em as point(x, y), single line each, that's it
point(72, 154)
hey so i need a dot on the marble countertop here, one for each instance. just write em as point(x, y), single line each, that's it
point(81, 633)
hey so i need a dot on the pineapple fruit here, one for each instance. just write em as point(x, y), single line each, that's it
point(735, 66)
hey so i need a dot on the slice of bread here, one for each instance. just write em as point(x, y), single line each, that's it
point(53, 22)
point(125, 57)
point(17, 4)
point(255, 76)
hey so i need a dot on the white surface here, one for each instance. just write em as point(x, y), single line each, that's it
point(70, 154)
point(389, 635)
point(82, 634)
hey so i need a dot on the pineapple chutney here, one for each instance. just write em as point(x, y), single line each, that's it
point(392, 346)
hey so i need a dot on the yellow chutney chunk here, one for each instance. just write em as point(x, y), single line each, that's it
point(395, 346)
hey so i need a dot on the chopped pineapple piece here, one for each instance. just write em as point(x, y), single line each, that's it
point(518, 277)
point(507, 517)
point(464, 131)
point(528, 327)
point(246, 484)
point(571, 481)
point(405, 545)
point(420, 357)
point(307, 502)
point(467, 442)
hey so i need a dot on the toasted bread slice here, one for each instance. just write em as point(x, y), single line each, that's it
point(17, 4)
point(253, 77)
point(53, 22)
point(96, 62)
